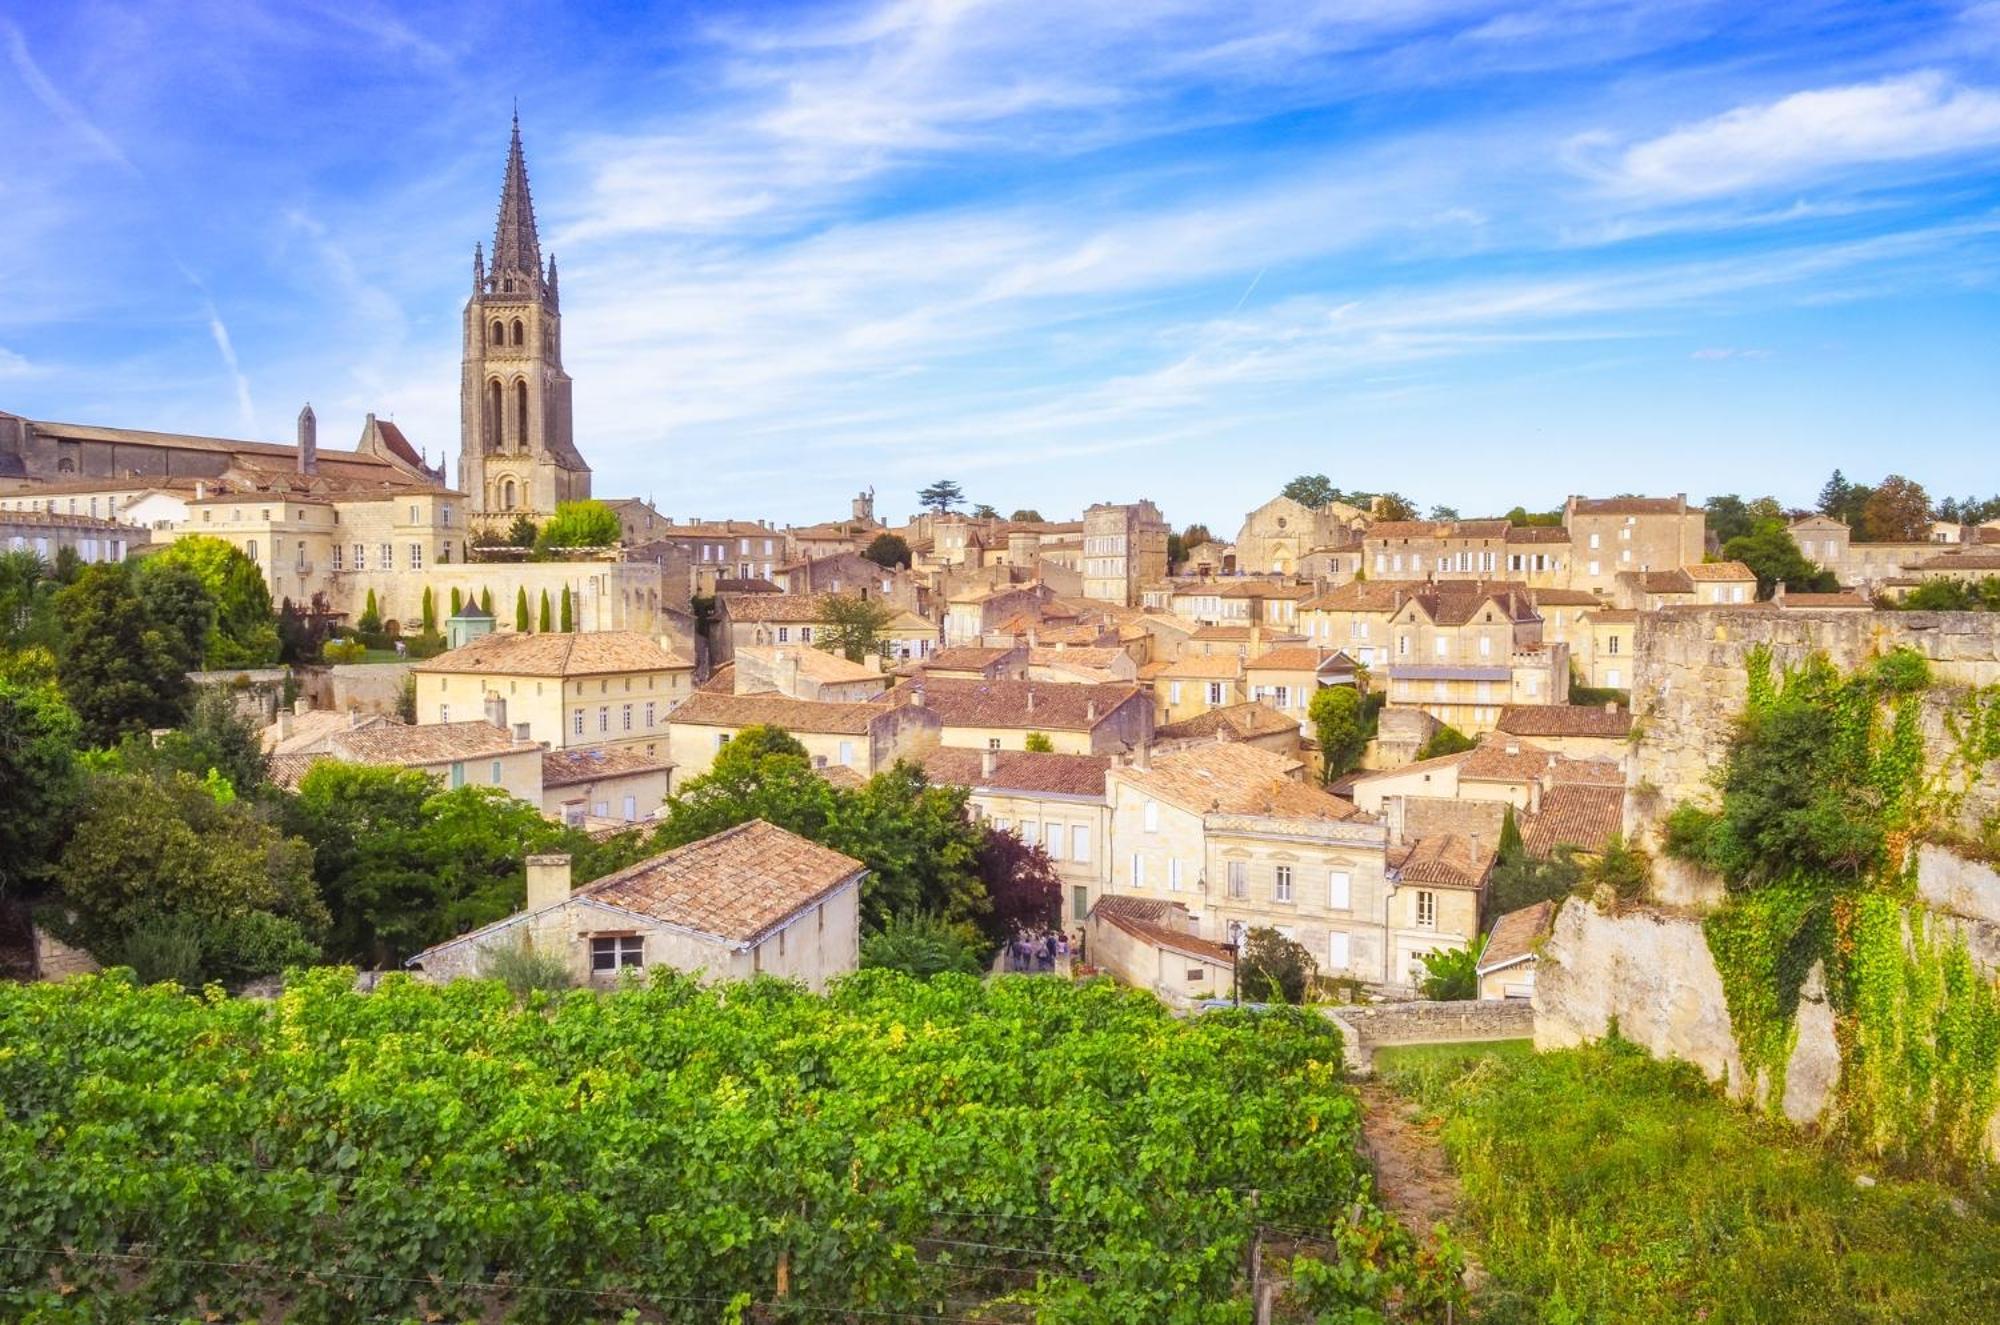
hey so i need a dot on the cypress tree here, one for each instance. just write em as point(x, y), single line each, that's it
point(1511, 845)
point(546, 624)
point(457, 601)
point(430, 611)
point(521, 609)
point(568, 619)
point(486, 601)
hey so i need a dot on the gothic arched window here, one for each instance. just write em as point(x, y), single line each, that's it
point(499, 333)
point(517, 331)
point(493, 416)
point(521, 412)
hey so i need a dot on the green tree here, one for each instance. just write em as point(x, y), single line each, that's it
point(1340, 722)
point(1897, 511)
point(853, 626)
point(1522, 518)
point(1451, 974)
point(168, 852)
point(544, 622)
point(1313, 490)
point(1442, 512)
point(568, 617)
point(983, 511)
point(1621, 866)
point(429, 618)
point(1176, 549)
point(1773, 555)
point(218, 737)
point(522, 533)
point(1728, 517)
point(1271, 968)
point(28, 587)
point(1954, 596)
point(1027, 515)
point(920, 845)
point(521, 609)
point(486, 601)
point(1394, 506)
point(371, 616)
point(1195, 535)
point(244, 630)
point(762, 773)
point(1834, 497)
point(579, 524)
point(125, 658)
point(457, 601)
point(38, 781)
point(924, 946)
point(888, 551)
point(1519, 879)
point(1038, 743)
point(941, 496)
point(1446, 740)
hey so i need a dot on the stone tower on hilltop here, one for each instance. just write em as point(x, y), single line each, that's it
point(517, 453)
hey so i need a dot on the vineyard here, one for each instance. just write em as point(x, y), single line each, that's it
point(1018, 1150)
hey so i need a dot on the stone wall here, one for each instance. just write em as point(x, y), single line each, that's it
point(56, 960)
point(1368, 1027)
point(1689, 684)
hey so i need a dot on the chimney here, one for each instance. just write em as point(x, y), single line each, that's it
point(548, 880)
point(284, 724)
point(1535, 796)
point(1090, 710)
point(1142, 755)
point(1031, 699)
point(1393, 810)
point(1513, 747)
point(1611, 706)
point(200, 490)
point(309, 440)
point(302, 705)
point(917, 695)
point(496, 709)
point(989, 762)
point(353, 717)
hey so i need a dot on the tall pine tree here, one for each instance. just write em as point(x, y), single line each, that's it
point(521, 609)
point(546, 625)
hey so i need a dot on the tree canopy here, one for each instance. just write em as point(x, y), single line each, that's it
point(244, 629)
point(941, 496)
point(853, 626)
point(1341, 723)
point(125, 653)
point(39, 782)
point(1897, 511)
point(888, 551)
point(579, 524)
point(1027, 515)
point(1771, 552)
point(1313, 490)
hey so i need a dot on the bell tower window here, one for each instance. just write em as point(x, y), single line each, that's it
point(499, 333)
point(521, 413)
point(517, 331)
point(493, 416)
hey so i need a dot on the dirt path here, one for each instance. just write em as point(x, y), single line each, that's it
point(1412, 1180)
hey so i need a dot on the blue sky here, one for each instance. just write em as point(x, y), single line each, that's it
point(1061, 251)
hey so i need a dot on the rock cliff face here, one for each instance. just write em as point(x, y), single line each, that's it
point(1689, 684)
point(1649, 972)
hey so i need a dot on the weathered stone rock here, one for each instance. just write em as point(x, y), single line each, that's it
point(1814, 1069)
point(1950, 883)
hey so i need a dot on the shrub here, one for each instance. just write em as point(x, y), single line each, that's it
point(344, 651)
point(1623, 868)
point(1451, 974)
point(923, 946)
point(1446, 740)
point(526, 969)
point(1039, 743)
point(1273, 969)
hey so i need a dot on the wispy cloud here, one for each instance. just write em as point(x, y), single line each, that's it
point(1912, 117)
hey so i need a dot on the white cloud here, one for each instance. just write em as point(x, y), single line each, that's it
point(13, 366)
point(1809, 134)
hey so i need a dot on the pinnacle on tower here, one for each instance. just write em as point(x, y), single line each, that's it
point(517, 251)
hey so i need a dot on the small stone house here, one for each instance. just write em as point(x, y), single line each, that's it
point(751, 900)
point(1152, 945)
point(1506, 968)
point(865, 737)
point(1078, 718)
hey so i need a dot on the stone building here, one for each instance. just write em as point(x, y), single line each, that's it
point(46, 535)
point(1077, 718)
point(608, 688)
point(1124, 549)
point(751, 900)
point(517, 448)
point(1055, 801)
point(1610, 535)
point(865, 737)
point(1277, 537)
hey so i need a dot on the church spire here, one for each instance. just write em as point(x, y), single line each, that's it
point(517, 251)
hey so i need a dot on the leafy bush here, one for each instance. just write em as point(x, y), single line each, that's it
point(526, 970)
point(170, 951)
point(579, 524)
point(344, 651)
point(923, 946)
point(1038, 743)
point(1623, 868)
point(342, 1156)
point(1451, 974)
point(1446, 740)
point(1273, 969)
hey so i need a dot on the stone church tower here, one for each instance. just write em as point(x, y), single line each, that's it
point(517, 454)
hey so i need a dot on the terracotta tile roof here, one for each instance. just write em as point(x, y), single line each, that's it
point(63, 520)
point(705, 709)
point(1455, 602)
point(841, 777)
point(1358, 596)
point(736, 585)
point(1501, 529)
point(1231, 778)
point(1297, 658)
point(426, 743)
point(1031, 705)
point(814, 664)
point(721, 681)
point(1631, 506)
point(1587, 772)
point(1662, 581)
point(1076, 655)
point(1565, 720)
point(1155, 922)
point(591, 653)
point(777, 608)
point(288, 771)
point(1019, 770)
point(1444, 859)
point(1238, 722)
point(1949, 561)
point(965, 658)
point(737, 885)
point(1574, 814)
point(562, 768)
point(1564, 598)
point(1539, 533)
point(1719, 571)
point(314, 727)
point(1383, 530)
point(1205, 667)
point(1503, 760)
point(1263, 589)
point(1516, 935)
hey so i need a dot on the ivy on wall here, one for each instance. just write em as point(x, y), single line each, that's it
point(1824, 795)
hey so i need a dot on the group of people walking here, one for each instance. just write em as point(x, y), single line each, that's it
point(1041, 950)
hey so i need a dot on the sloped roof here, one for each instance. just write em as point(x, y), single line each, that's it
point(1575, 814)
point(1718, 571)
point(817, 664)
point(776, 608)
point(1515, 935)
point(707, 709)
point(1631, 506)
point(1565, 720)
point(1036, 705)
point(737, 885)
point(1239, 722)
point(426, 743)
point(1205, 667)
point(1444, 858)
point(591, 653)
point(1232, 778)
point(313, 727)
point(1299, 658)
point(1359, 596)
point(1154, 921)
point(563, 768)
point(1018, 770)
